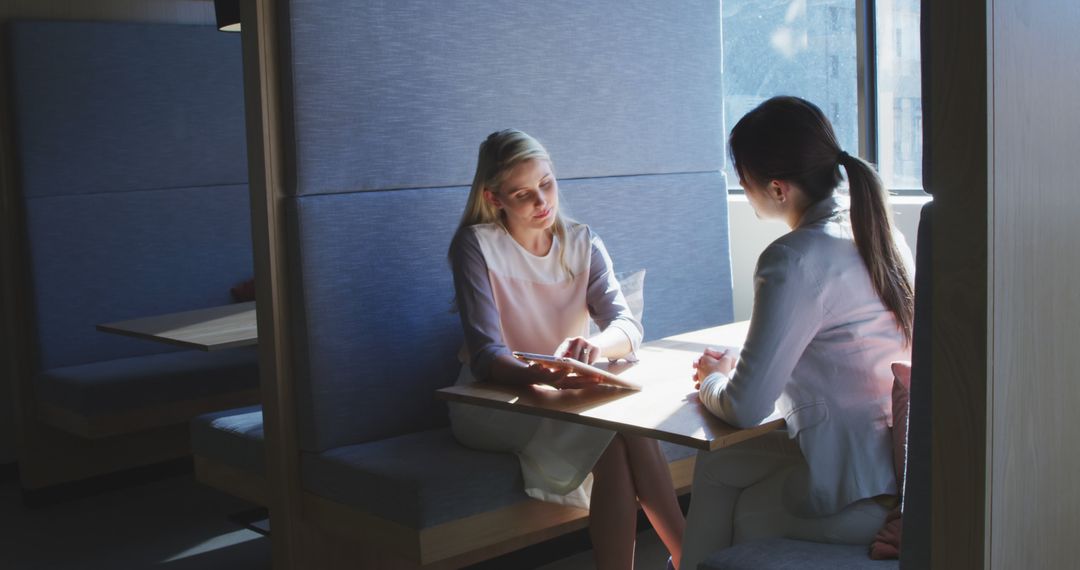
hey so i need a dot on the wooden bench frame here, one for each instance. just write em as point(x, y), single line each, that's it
point(346, 536)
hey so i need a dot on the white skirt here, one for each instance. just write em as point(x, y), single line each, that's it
point(556, 457)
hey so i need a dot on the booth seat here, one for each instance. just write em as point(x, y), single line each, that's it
point(135, 197)
point(375, 336)
point(418, 483)
point(788, 554)
point(141, 392)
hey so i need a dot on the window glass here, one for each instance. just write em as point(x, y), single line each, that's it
point(899, 84)
point(805, 48)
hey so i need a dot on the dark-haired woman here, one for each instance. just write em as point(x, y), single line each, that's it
point(832, 308)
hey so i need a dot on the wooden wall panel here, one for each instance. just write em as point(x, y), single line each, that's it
point(1035, 502)
point(956, 147)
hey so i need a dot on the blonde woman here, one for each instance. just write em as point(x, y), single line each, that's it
point(529, 279)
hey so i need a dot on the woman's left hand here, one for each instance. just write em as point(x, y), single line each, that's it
point(579, 348)
point(712, 361)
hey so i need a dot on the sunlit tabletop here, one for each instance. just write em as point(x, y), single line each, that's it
point(667, 408)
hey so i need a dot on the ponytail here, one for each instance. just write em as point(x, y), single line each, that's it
point(788, 138)
point(871, 223)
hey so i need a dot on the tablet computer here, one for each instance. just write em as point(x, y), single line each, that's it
point(578, 367)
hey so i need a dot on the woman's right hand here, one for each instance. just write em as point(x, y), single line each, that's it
point(712, 361)
point(560, 379)
point(510, 370)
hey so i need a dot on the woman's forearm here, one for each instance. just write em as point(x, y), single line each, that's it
point(613, 343)
point(506, 369)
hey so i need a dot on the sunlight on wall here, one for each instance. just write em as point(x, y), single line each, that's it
point(750, 236)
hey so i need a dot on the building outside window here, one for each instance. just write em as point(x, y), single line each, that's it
point(808, 48)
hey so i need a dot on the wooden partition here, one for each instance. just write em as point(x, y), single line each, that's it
point(263, 43)
point(956, 149)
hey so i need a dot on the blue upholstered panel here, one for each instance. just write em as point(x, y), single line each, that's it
point(99, 258)
point(141, 381)
point(676, 227)
point(376, 332)
point(233, 437)
point(418, 480)
point(107, 107)
point(399, 93)
point(786, 554)
point(376, 336)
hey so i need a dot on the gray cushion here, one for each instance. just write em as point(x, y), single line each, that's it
point(375, 328)
point(787, 554)
point(110, 107)
point(124, 384)
point(418, 480)
point(400, 94)
point(233, 437)
point(100, 258)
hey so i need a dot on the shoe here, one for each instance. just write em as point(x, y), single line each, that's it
point(670, 566)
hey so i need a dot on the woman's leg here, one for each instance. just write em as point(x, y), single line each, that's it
point(719, 480)
point(613, 509)
point(656, 492)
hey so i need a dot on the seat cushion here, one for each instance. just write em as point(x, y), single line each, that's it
point(787, 554)
point(233, 437)
point(418, 480)
point(126, 384)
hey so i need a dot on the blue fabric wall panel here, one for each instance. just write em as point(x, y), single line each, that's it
point(100, 258)
point(674, 226)
point(399, 93)
point(107, 107)
point(375, 334)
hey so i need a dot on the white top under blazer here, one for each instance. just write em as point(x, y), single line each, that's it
point(818, 354)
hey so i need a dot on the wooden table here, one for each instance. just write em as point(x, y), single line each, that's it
point(216, 328)
point(667, 408)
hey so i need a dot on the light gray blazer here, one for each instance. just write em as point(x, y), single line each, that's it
point(818, 351)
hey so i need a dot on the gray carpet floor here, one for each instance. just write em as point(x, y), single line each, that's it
point(171, 524)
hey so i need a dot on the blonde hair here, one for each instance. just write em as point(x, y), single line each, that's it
point(500, 152)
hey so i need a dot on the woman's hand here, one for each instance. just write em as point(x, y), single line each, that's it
point(712, 361)
point(579, 348)
point(561, 379)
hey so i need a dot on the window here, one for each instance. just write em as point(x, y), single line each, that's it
point(811, 48)
point(899, 94)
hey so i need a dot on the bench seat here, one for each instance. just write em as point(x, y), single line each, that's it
point(789, 554)
point(142, 392)
point(232, 437)
point(421, 492)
